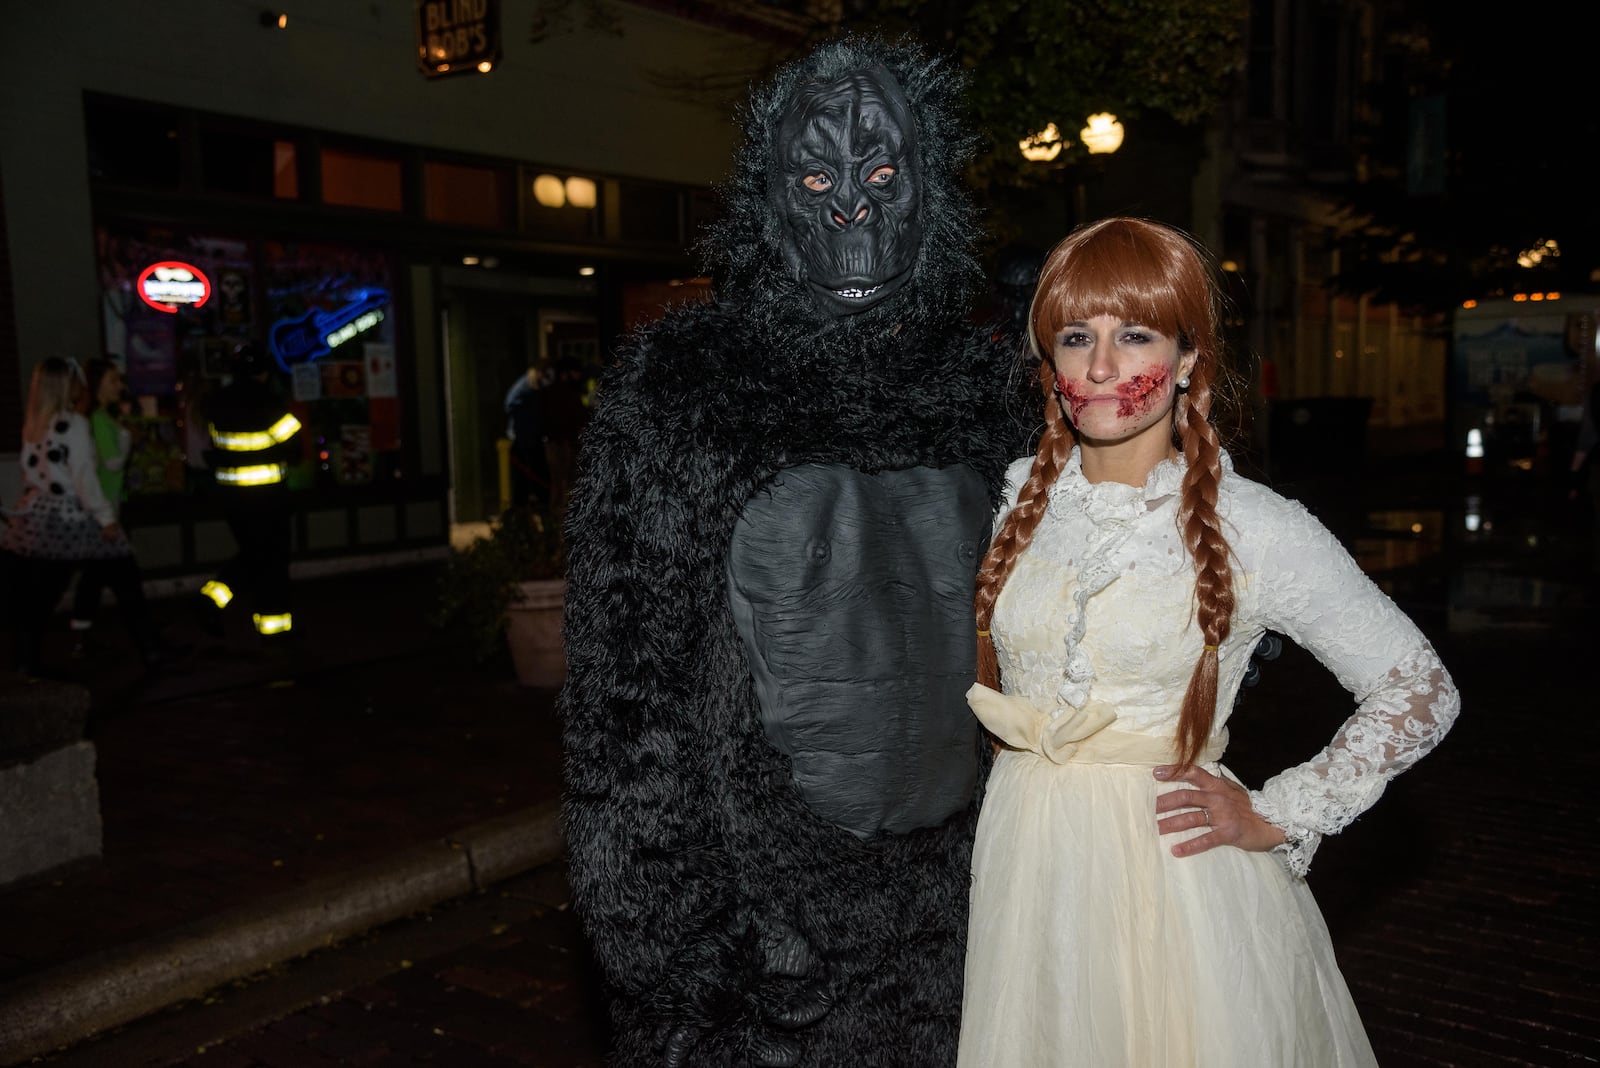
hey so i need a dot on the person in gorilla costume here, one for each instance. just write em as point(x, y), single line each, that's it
point(772, 776)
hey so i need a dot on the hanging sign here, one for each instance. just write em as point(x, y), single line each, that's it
point(457, 36)
point(167, 285)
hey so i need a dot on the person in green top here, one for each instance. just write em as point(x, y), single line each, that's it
point(112, 443)
point(112, 440)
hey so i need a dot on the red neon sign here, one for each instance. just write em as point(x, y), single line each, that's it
point(166, 285)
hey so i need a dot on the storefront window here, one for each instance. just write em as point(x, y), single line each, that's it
point(650, 213)
point(132, 143)
point(242, 161)
point(332, 328)
point(361, 180)
point(174, 304)
point(171, 304)
point(467, 196)
point(560, 205)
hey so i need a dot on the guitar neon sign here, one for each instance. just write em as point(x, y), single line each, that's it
point(314, 334)
point(166, 285)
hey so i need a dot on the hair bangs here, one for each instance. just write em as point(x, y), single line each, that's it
point(1139, 274)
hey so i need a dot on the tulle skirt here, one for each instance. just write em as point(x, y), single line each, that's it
point(1091, 946)
point(50, 527)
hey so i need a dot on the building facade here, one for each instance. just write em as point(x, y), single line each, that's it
point(1288, 140)
point(409, 241)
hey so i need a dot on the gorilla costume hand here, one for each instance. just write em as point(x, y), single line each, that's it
point(785, 988)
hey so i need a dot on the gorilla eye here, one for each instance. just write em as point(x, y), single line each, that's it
point(881, 175)
point(817, 183)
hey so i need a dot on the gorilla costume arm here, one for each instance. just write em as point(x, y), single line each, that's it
point(642, 819)
point(769, 816)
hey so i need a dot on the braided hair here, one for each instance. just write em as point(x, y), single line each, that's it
point(1153, 274)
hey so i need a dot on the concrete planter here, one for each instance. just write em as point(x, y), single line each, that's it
point(533, 631)
point(49, 799)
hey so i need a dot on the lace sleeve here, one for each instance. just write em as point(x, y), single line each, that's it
point(1314, 592)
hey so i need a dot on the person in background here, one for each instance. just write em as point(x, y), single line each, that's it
point(63, 520)
point(112, 443)
point(1016, 269)
point(530, 467)
point(1132, 902)
point(254, 438)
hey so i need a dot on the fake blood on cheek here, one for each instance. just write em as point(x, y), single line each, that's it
point(1073, 392)
point(1140, 393)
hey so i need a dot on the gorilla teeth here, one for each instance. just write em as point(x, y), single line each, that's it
point(857, 292)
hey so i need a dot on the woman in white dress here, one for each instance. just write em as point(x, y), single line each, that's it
point(1133, 904)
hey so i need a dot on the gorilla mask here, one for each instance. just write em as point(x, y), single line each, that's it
point(845, 186)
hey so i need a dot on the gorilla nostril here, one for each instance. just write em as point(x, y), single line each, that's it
point(840, 219)
point(862, 214)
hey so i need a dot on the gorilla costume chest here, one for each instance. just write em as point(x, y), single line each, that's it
point(852, 593)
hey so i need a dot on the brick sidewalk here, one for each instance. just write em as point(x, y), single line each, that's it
point(218, 790)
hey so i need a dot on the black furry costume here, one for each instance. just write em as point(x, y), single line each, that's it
point(747, 902)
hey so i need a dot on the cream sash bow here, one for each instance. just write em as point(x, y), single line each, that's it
point(1077, 734)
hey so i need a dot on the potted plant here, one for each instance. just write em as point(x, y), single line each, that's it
point(505, 590)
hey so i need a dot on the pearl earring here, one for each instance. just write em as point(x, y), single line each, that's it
point(1183, 383)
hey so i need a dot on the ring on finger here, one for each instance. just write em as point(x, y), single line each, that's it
point(1207, 811)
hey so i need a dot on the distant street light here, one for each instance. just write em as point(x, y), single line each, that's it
point(1103, 134)
point(1101, 137)
point(1043, 146)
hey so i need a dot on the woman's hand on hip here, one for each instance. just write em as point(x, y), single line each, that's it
point(1212, 801)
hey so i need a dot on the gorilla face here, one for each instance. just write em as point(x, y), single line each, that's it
point(846, 188)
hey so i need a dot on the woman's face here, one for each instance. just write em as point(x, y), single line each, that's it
point(1118, 379)
point(110, 388)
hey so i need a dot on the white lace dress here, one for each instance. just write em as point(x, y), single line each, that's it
point(1089, 943)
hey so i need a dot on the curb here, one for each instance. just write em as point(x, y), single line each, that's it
point(75, 1000)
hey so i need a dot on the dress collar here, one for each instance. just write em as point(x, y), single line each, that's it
point(1118, 500)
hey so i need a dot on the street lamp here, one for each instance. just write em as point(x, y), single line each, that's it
point(1103, 135)
point(1043, 146)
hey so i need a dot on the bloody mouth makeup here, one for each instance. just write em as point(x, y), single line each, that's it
point(1138, 395)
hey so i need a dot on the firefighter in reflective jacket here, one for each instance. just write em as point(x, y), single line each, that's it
point(254, 439)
